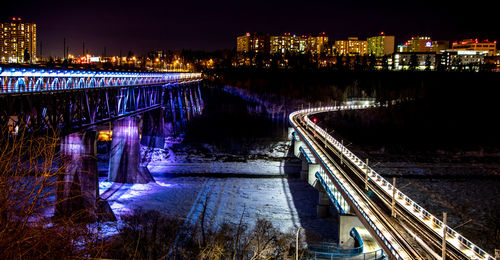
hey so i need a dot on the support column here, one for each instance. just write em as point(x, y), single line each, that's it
point(323, 207)
point(346, 223)
point(153, 129)
point(296, 145)
point(77, 191)
point(304, 170)
point(124, 160)
point(291, 130)
point(311, 175)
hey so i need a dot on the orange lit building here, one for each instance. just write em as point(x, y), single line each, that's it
point(475, 45)
point(16, 38)
point(420, 44)
point(255, 42)
point(316, 44)
point(351, 46)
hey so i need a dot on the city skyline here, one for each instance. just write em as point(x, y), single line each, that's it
point(207, 26)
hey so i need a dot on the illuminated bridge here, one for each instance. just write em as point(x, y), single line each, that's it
point(402, 228)
point(73, 99)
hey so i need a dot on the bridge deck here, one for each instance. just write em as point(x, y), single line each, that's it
point(28, 80)
point(429, 226)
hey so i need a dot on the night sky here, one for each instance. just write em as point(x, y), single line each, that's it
point(141, 26)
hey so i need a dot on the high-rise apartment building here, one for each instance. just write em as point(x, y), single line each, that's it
point(255, 42)
point(281, 44)
point(287, 43)
point(316, 44)
point(351, 46)
point(243, 43)
point(17, 41)
point(381, 45)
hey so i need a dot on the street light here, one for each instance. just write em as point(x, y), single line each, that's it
point(297, 244)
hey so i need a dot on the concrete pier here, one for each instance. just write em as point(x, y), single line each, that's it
point(323, 207)
point(77, 191)
point(346, 223)
point(125, 158)
point(153, 133)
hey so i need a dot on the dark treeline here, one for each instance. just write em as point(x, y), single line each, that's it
point(450, 108)
point(315, 86)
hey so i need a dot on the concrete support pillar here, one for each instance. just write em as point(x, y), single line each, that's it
point(296, 145)
point(291, 130)
point(323, 207)
point(77, 191)
point(311, 176)
point(304, 170)
point(346, 223)
point(125, 158)
point(153, 129)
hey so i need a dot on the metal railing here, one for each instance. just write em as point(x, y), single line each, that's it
point(365, 212)
point(335, 196)
point(25, 80)
point(453, 237)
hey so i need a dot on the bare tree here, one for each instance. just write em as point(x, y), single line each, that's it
point(29, 168)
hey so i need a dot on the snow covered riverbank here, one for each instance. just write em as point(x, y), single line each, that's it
point(287, 202)
point(262, 185)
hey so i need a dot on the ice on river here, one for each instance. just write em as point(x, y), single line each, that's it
point(287, 202)
point(255, 185)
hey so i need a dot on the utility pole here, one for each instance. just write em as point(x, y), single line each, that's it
point(366, 176)
point(41, 50)
point(297, 244)
point(393, 209)
point(64, 48)
point(341, 151)
point(444, 237)
point(326, 132)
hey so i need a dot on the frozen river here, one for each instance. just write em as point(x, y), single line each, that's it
point(235, 159)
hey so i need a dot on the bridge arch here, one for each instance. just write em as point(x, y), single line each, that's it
point(31, 84)
point(39, 84)
point(81, 83)
point(62, 83)
point(20, 85)
point(102, 83)
point(91, 83)
point(119, 81)
point(55, 84)
point(9, 85)
point(69, 83)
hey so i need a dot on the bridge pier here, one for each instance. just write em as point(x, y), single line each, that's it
point(125, 158)
point(153, 129)
point(346, 223)
point(323, 207)
point(296, 147)
point(291, 130)
point(77, 191)
point(312, 168)
point(304, 170)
